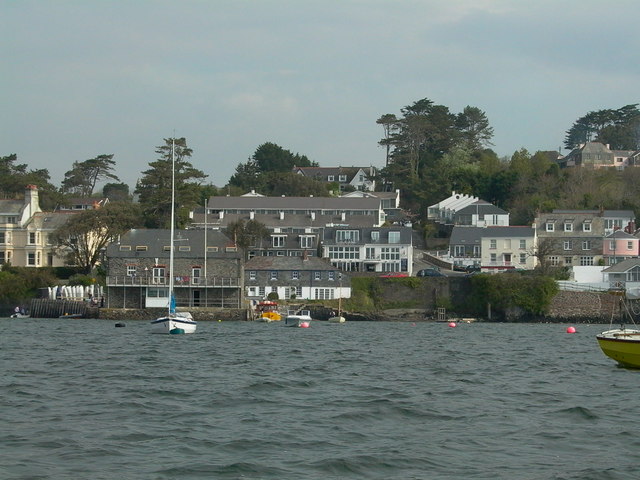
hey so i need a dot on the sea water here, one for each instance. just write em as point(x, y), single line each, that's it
point(81, 399)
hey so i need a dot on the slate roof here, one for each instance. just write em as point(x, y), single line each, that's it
point(623, 266)
point(461, 235)
point(156, 239)
point(289, 264)
point(482, 207)
point(506, 232)
point(295, 203)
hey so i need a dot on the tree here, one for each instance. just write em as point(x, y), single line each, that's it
point(475, 131)
point(618, 128)
point(116, 192)
point(389, 124)
point(245, 235)
point(82, 178)
point(270, 157)
point(154, 188)
point(86, 234)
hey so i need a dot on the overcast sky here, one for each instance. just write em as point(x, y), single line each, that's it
point(83, 78)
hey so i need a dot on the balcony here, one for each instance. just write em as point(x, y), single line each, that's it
point(179, 281)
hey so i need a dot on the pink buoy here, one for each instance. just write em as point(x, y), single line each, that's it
point(571, 329)
point(452, 324)
point(304, 324)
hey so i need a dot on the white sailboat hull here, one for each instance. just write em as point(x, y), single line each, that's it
point(174, 324)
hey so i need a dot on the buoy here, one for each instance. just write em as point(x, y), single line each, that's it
point(304, 324)
point(452, 324)
point(571, 329)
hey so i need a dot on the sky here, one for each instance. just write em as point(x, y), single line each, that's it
point(83, 78)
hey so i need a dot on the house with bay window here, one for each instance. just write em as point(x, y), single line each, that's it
point(25, 230)
point(369, 249)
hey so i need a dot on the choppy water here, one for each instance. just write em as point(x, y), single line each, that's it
point(82, 399)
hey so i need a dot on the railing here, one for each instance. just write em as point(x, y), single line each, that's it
point(179, 281)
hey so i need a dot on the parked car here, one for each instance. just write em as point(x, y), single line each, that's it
point(429, 272)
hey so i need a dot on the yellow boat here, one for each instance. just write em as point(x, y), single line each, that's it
point(622, 345)
point(267, 311)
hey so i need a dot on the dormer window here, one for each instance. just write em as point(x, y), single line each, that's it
point(550, 227)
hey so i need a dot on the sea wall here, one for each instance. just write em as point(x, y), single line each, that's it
point(199, 314)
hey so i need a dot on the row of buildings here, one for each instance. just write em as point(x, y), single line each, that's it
point(481, 235)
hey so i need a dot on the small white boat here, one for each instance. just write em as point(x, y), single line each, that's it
point(298, 318)
point(20, 315)
point(174, 323)
point(337, 319)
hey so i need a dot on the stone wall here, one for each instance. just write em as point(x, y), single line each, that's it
point(199, 314)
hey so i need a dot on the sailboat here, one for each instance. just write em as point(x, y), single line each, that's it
point(622, 344)
point(174, 322)
point(338, 318)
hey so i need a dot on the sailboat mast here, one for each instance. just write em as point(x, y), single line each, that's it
point(173, 200)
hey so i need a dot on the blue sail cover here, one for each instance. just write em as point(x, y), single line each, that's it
point(172, 304)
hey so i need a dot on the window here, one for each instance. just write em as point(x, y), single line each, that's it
point(131, 270)
point(586, 261)
point(567, 245)
point(523, 258)
point(370, 253)
point(553, 260)
point(273, 276)
point(390, 253)
point(166, 248)
point(586, 226)
point(184, 248)
point(394, 237)
point(12, 219)
point(331, 275)
point(2, 258)
point(280, 253)
point(493, 258)
point(196, 275)
point(158, 275)
point(212, 249)
point(493, 244)
point(157, 292)
point(568, 227)
point(323, 293)
point(231, 249)
point(31, 259)
point(330, 178)
point(586, 244)
point(342, 178)
point(252, 275)
point(347, 236)
point(550, 227)
point(278, 240)
point(306, 241)
point(295, 275)
point(141, 248)
point(612, 245)
point(523, 244)
point(629, 245)
point(2, 237)
point(317, 275)
point(375, 236)
point(568, 261)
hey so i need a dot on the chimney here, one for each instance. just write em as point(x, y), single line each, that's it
point(343, 216)
point(252, 215)
point(281, 215)
point(31, 202)
point(313, 215)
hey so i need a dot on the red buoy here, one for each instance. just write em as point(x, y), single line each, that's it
point(452, 324)
point(571, 329)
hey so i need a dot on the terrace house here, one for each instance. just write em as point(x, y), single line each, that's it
point(207, 270)
point(347, 178)
point(307, 278)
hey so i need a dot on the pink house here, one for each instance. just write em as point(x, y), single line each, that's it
point(619, 246)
